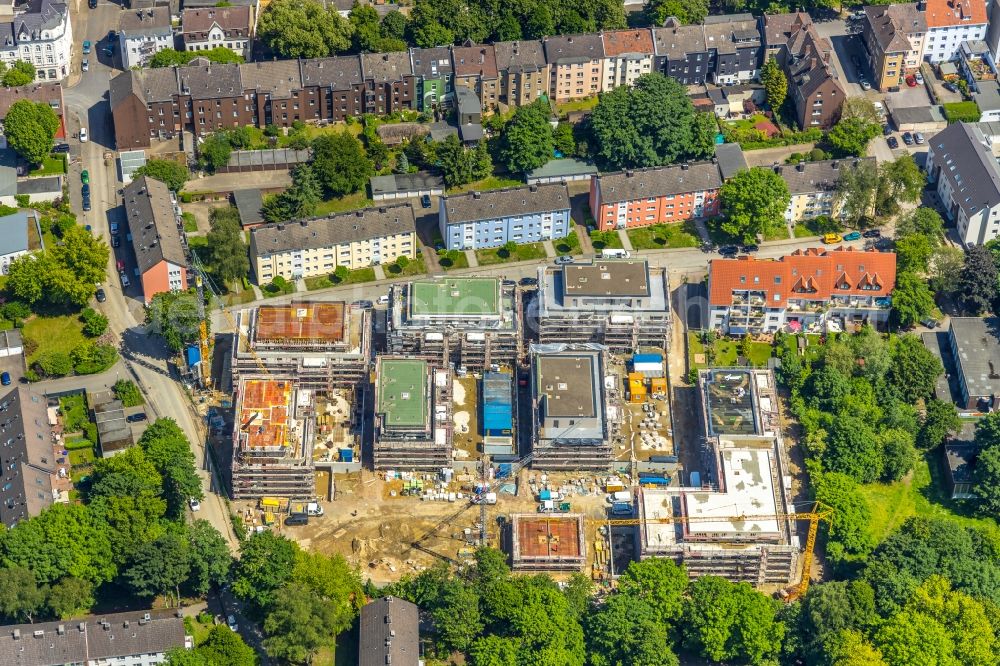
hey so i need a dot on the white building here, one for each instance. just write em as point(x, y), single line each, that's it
point(951, 22)
point(209, 28)
point(143, 32)
point(961, 165)
point(41, 33)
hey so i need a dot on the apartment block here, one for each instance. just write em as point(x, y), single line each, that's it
point(390, 85)
point(273, 440)
point(570, 407)
point(622, 304)
point(215, 27)
point(471, 322)
point(641, 197)
point(813, 290)
point(161, 253)
point(142, 33)
point(318, 246)
point(524, 73)
point(725, 50)
point(322, 345)
point(628, 54)
point(951, 22)
point(476, 70)
point(681, 52)
point(39, 32)
point(577, 66)
point(30, 461)
point(813, 186)
point(895, 36)
point(412, 408)
point(961, 166)
point(529, 214)
point(435, 77)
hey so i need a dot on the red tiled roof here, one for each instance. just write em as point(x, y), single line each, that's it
point(619, 42)
point(816, 273)
point(944, 13)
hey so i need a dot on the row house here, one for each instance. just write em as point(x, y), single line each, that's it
point(476, 70)
point(529, 214)
point(809, 290)
point(39, 32)
point(628, 54)
point(951, 22)
point(524, 73)
point(435, 77)
point(894, 36)
point(390, 85)
point(813, 187)
point(577, 66)
point(642, 197)
point(725, 50)
point(210, 28)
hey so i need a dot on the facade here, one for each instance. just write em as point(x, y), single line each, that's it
point(622, 304)
point(209, 28)
point(137, 638)
point(681, 52)
point(951, 22)
point(577, 66)
point(40, 32)
point(319, 245)
point(471, 322)
point(390, 85)
point(435, 77)
point(476, 70)
point(160, 249)
point(529, 214)
point(30, 462)
point(628, 54)
point(813, 186)
point(524, 73)
point(412, 415)
point(895, 36)
point(809, 290)
point(639, 198)
point(975, 348)
point(13, 238)
point(961, 165)
point(725, 50)
point(143, 32)
point(390, 633)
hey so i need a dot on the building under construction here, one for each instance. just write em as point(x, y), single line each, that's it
point(413, 420)
point(321, 345)
point(472, 322)
point(733, 522)
point(575, 411)
point(546, 543)
point(273, 440)
point(620, 303)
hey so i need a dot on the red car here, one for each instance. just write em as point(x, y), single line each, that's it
point(121, 265)
point(911, 81)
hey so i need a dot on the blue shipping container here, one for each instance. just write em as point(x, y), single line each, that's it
point(654, 481)
point(696, 479)
point(504, 470)
point(498, 413)
point(545, 495)
point(347, 455)
point(647, 358)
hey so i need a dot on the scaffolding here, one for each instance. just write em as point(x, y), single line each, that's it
point(413, 419)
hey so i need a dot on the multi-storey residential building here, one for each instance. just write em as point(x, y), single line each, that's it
point(813, 82)
point(681, 52)
point(229, 27)
point(778, 30)
point(734, 47)
point(961, 165)
point(412, 415)
point(318, 246)
point(40, 32)
point(275, 92)
point(389, 633)
point(622, 304)
point(809, 290)
point(143, 32)
point(390, 85)
point(435, 77)
point(212, 96)
point(639, 198)
point(951, 22)
point(628, 54)
point(528, 214)
point(813, 186)
point(335, 87)
point(44, 93)
point(29, 456)
point(524, 74)
point(894, 36)
point(577, 65)
point(160, 250)
point(476, 69)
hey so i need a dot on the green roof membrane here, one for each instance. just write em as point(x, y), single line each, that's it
point(455, 296)
point(402, 392)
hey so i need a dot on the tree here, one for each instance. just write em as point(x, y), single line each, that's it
point(898, 181)
point(850, 137)
point(402, 164)
point(457, 619)
point(775, 83)
point(911, 638)
point(208, 556)
point(20, 596)
point(526, 141)
point(124, 495)
point(849, 648)
point(159, 567)
point(860, 108)
point(225, 647)
point(214, 152)
point(94, 323)
point(55, 363)
point(986, 480)
point(69, 596)
point(627, 631)
point(459, 165)
point(169, 451)
point(176, 317)
point(688, 12)
point(265, 564)
point(964, 618)
point(731, 621)
point(300, 624)
point(128, 392)
point(850, 532)
point(658, 582)
point(754, 201)
point(977, 286)
point(856, 191)
point(853, 448)
point(911, 300)
point(946, 266)
point(941, 420)
point(913, 254)
point(988, 431)
point(227, 258)
point(651, 124)
point(914, 369)
point(168, 172)
point(20, 74)
point(90, 357)
point(898, 452)
point(304, 29)
point(923, 222)
point(831, 608)
point(340, 163)
point(30, 128)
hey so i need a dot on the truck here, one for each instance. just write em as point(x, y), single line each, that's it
point(307, 508)
point(615, 253)
point(485, 498)
point(621, 509)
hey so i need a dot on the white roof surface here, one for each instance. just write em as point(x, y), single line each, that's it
point(749, 492)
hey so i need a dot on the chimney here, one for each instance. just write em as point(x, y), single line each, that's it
point(532, 188)
point(685, 166)
point(477, 195)
point(800, 166)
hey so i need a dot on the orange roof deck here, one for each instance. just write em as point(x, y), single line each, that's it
point(264, 413)
point(549, 537)
point(301, 322)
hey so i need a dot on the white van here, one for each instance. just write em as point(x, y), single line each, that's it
point(615, 253)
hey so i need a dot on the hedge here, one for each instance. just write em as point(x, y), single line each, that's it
point(961, 112)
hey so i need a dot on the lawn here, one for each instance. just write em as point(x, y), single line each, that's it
point(802, 230)
point(490, 183)
point(659, 236)
point(725, 352)
point(918, 495)
point(605, 239)
point(366, 274)
point(82, 456)
point(499, 255)
point(585, 104)
point(190, 223)
point(718, 236)
point(48, 334)
point(414, 267)
point(34, 241)
point(452, 259)
point(282, 288)
point(343, 204)
point(52, 165)
point(778, 233)
point(568, 245)
point(745, 123)
point(810, 228)
point(238, 298)
point(74, 412)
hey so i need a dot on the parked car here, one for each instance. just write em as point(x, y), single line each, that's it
point(85, 190)
point(114, 227)
point(529, 281)
point(829, 239)
point(5, 378)
point(864, 84)
point(919, 78)
point(194, 504)
point(85, 177)
point(85, 65)
point(124, 279)
point(950, 87)
point(231, 622)
point(729, 250)
point(83, 135)
point(138, 417)
point(100, 295)
point(907, 138)
point(872, 233)
point(425, 201)
point(60, 148)
point(747, 249)
point(92, 4)
point(120, 265)
point(382, 300)
point(86, 205)
point(929, 322)
point(86, 47)
point(853, 236)
point(563, 260)
point(297, 519)
point(919, 138)
point(115, 240)
point(363, 304)
point(911, 81)
point(893, 142)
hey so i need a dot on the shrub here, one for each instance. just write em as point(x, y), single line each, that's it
point(127, 391)
point(961, 112)
point(55, 364)
point(94, 323)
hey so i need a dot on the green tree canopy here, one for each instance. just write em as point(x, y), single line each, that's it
point(227, 258)
point(303, 29)
point(921, 221)
point(851, 136)
point(176, 316)
point(851, 538)
point(20, 74)
point(30, 128)
point(265, 564)
point(775, 83)
point(754, 201)
point(174, 58)
point(168, 172)
point(340, 163)
point(912, 299)
point(977, 284)
point(857, 189)
point(169, 451)
point(688, 12)
point(731, 621)
point(159, 567)
point(526, 141)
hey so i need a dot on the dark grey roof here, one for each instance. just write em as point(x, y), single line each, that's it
point(375, 222)
point(497, 204)
point(659, 181)
point(340, 72)
point(890, 24)
point(433, 63)
point(916, 114)
point(211, 80)
point(977, 342)
point(566, 166)
point(574, 48)
point(675, 42)
point(145, 22)
point(38, 15)
point(42, 185)
point(14, 233)
point(522, 56)
point(25, 424)
point(822, 176)
point(277, 78)
point(249, 203)
point(961, 461)
point(729, 32)
point(149, 85)
point(987, 98)
point(470, 132)
point(8, 181)
point(390, 633)
point(386, 67)
point(778, 28)
point(407, 182)
point(87, 639)
point(273, 157)
point(468, 101)
point(152, 223)
point(968, 164)
point(113, 431)
point(731, 159)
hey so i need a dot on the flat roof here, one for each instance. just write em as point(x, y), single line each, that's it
point(265, 408)
point(749, 492)
point(555, 537)
point(566, 381)
point(977, 341)
point(402, 391)
point(606, 277)
point(301, 322)
point(730, 403)
point(455, 296)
